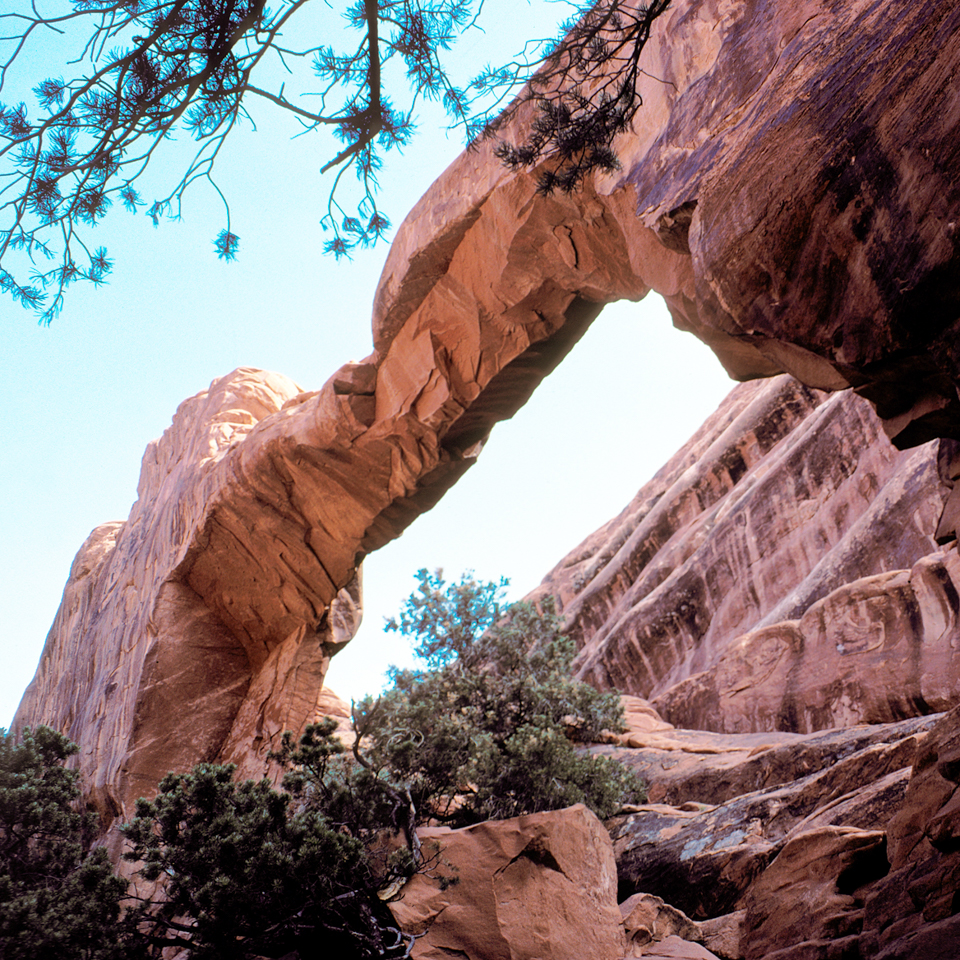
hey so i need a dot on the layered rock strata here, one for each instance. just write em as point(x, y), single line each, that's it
point(781, 572)
point(800, 847)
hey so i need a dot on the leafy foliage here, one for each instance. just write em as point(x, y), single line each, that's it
point(585, 91)
point(250, 874)
point(154, 67)
point(487, 730)
point(55, 900)
point(150, 68)
point(225, 870)
point(230, 871)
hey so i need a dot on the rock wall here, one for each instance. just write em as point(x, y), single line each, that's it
point(781, 572)
point(142, 673)
point(798, 847)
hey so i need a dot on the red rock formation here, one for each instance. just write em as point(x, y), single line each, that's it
point(873, 651)
point(792, 187)
point(543, 885)
point(803, 847)
point(817, 266)
point(138, 668)
point(757, 582)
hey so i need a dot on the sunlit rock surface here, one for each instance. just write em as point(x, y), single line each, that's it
point(781, 572)
point(142, 671)
point(544, 885)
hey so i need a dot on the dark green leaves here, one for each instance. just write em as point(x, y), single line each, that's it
point(586, 94)
point(487, 731)
point(55, 899)
point(251, 872)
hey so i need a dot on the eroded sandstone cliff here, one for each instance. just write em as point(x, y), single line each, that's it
point(781, 572)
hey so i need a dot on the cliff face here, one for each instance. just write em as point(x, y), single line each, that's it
point(780, 573)
point(143, 673)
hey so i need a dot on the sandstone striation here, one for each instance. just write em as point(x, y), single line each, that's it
point(781, 572)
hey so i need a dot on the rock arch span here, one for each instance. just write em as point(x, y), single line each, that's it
point(772, 193)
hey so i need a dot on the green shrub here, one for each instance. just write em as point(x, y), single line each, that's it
point(249, 873)
point(485, 730)
point(241, 870)
point(56, 900)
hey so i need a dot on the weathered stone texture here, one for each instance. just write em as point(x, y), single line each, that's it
point(813, 147)
point(757, 582)
point(143, 673)
point(795, 172)
point(792, 188)
point(543, 885)
point(805, 847)
point(876, 650)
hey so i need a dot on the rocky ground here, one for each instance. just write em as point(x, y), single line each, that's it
point(842, 844)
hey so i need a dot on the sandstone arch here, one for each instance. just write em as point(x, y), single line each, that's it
point(773, 206)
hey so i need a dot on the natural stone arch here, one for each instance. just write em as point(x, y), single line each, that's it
point(487, 286)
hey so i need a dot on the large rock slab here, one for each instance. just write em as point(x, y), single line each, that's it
point(735, 805)
point(704, 767)
point(815, 847)
point(532, 887)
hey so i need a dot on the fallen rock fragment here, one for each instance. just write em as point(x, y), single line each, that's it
point(812, 893)
point(539, 886)
point(676, 948)
point(647, 921)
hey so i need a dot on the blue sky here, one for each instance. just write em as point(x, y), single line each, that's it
point(82, 397)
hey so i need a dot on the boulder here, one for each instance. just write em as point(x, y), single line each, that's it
point(812, 894)
point(648, 921)
point(736, 808)
point(676, 948)
point(538, 886)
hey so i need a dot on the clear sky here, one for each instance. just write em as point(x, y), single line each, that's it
point(83, 397)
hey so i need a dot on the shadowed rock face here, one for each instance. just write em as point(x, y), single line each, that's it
point(806, 156)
